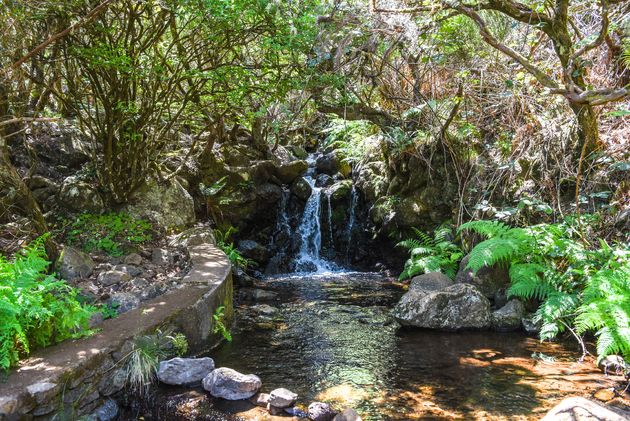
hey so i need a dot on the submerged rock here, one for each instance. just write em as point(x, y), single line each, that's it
point(508, 317)
point(230, 384)
point(320, 411)
point(348, 414)
point(580, 409)
point(184, 371)
point(459, 306)
point(282, 398)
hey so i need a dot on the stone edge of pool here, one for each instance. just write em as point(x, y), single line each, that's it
point(77, 376)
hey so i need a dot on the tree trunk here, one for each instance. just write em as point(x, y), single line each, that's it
point(588, 129)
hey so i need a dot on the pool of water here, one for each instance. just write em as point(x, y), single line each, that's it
point(331, 338)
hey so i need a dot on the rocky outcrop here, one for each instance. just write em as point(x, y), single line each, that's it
point(74, 264)
point(433, 281)
point(489, 280)
point(80, 196)
point(509, 317)
point(169, 205)
point(455, 307)
point(580, 409)
point(231, 385)
point(184, 371)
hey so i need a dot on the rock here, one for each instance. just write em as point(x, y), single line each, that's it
point(324, 180)
point(288, 172)
point(139, 283)
point(580, 409)
point(126, 301)
point(320, 411)
point(528, 325)
point(330, 163)
point(265, 310)
point(612, 364)
point(230, 384)
point(340, 191)
point(508, 318)
point(169, 205)
point(488, 279)
point(108, 411)
point(605, 395)
point(133, 259)
point(348, 414)
point(433, 281)
point(241, 278)
point(282, 398)
point(184, 371)
point(112, 277)
point(301, 188)
point(253, 250)
point(80, 196)
point(42, 392)
point(268, 194)
point(295, 412)
point(131, 270)
point(96, 319)
point(74, 264)
point(459, 306)
point(298, 151)
point(161, 257)
point(195, 236)
point(260, 399)
point(274, 410)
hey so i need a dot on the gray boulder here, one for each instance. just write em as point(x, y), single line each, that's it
point(580, 409)
point(488, 280)
point(133, 259)
point(320, 411)
point(253, 250)
point(282, 398)
point(74, 264)
point(459, 306)
point(78, 195)
point(112, 277)
point(230, 384)
point(433, 281)
point(291, 170)
point(301, 188)
point(161, 257)
point(129, 269)
point(194, 236)
point(184, 371)
point(126, 301)
point(508, 318)
point(348, 414)
point(169, 205)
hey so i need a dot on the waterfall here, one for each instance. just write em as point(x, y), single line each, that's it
point(330, 231)
point(354, 198)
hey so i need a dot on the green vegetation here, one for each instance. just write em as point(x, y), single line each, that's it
point(219, 326)
point(228, 247)
point(437, 254)
point(36, 308)
point(581, 288)
point(113, 233)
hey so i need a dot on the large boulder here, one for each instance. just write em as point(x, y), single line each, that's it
point(74, 264)
point(80, 196)
point(459, 306)
point(291, 170)
point(331, 164)
point(489, 280)
point(169, 205)
point(508, 317)
point(230, 384)
point(282, 398)
point(340, 191)
point(301, 188)
point(580, 409)
point(433, 281)
point(253, 250)
point(184, 371)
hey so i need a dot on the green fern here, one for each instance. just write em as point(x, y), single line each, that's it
point(426, 254)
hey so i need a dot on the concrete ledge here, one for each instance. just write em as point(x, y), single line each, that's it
point(75, 377)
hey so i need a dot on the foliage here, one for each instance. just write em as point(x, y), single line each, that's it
point(180, 343)
point(109, 310)
point(227, 245)
point(580, 288)
point(36, 309)
point(113, 233)
point(219, 326)
point(348, 137)
point(437, 254)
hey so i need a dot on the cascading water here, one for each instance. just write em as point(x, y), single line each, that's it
point(354, 199)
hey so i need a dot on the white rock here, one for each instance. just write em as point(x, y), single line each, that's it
point(282, 398)
point(184, 371)
point(230, 384)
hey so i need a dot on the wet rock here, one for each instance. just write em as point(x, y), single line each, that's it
point(112, 277)
point(253, 250)
point(126, 301)
point(274, 410)
point(230, 384)
point(108, 411)
point(241, 278)
point(265, 310)
point(169, 205)
point(508, 318)
point(184, 371)
point(331, 163)
point(320, 411)
point(268, 194)
point(296, 412)
point(301, 188)
point(257, 294)
point(433, 281)
point(529, 326)
point(288, 172)
point(604, 395)
point(459, 306)
point(348, 414)
point(580, 409)
point(282, 398)
point(340, 191)
point(133, 259)
point(612, 364)
point(81, 196)
point(487, 279)
point(324, 180)
point(194, 236)
point(131, 270)
point(74, 264)
point(260, 399)
point(161, 257)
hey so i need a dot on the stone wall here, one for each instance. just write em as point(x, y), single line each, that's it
point(75, 378)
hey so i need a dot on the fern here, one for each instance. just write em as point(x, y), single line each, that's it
point(426, 254)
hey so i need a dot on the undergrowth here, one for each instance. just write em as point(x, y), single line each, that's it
point(437, 254)
point(225, 243)
point(36, 308)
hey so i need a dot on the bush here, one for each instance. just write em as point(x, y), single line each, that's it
point(113, 233)
point(36, 309)
point(228, 247)
point(437, 254)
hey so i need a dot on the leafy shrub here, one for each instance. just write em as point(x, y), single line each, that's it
point(580, 288)
point(36, 309)
point(348, 136)
point(227, 245)
point(219, 326)
point(437, 254)
point(113, 233)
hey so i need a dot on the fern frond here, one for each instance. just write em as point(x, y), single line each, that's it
point(488, 229)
